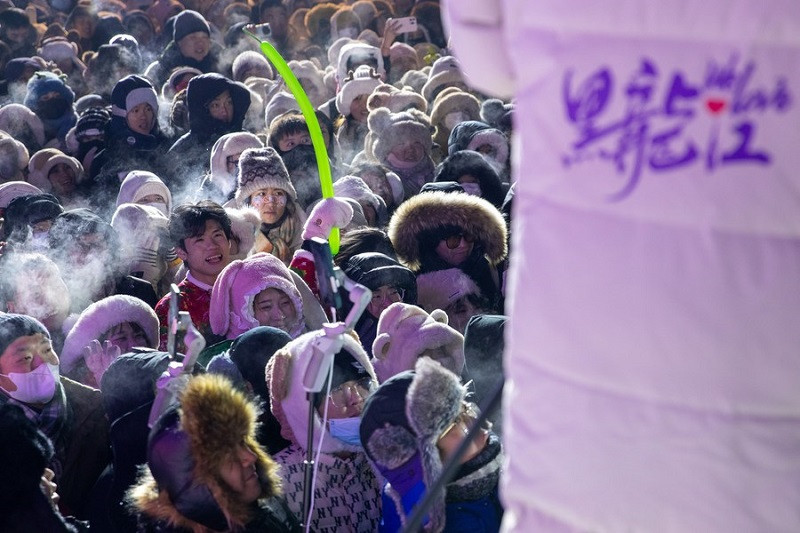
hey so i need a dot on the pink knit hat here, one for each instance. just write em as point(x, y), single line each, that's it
point(234, 292)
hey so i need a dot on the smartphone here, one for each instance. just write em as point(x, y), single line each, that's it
point(327, 282)
point(406, 25)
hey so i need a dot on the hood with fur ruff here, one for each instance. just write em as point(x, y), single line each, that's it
point(430, 212)
point(214, 418)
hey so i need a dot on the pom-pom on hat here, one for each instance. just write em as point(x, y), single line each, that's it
point(237, 286)
point(260, 168)
point(361, 82)
point(405, 332)
point(101, 316)
point(43, 162)
point(187, 22)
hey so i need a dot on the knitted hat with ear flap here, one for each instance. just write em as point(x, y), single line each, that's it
point(236, 287)
point(288, 399)
point(260, 168)
point(42, 163)
point(359, 83)
point(401, 424)
point(405, 332)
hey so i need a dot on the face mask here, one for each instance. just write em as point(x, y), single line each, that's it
point(39, 241)
point(53, 109)
point(472, 188)
point(346, 430)
point(300, 156)
point(37, 386)
point(161, 206)
point(452, 119)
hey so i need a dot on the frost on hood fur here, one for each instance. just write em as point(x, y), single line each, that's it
point(431, 211)
point(101, 316)
point(288, 397)
point(216, 418)
point(232, 296)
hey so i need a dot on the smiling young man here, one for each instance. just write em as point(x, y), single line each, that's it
point(201, 234)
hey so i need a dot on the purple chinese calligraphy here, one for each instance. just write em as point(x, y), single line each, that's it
point(654, 127)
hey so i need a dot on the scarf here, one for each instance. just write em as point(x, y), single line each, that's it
point(478, 477)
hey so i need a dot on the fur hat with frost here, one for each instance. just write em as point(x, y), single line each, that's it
point(405, 332)
point(100, 317)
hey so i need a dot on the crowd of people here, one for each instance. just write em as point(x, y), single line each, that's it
point(149, 143)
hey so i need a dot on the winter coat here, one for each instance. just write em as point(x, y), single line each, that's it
point(660, 309)
point(421, 222)
point(347, 494)
point(189, 157)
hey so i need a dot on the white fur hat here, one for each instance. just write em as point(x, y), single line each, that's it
point(15, 189)
point(248, 60)
point(245, 223)
point(357, 189)
point(44, 160)
point(405, 332)
point(227, 145)
point(279, 104)
point(15, 116)
point(356, 48)
point(101, 316)
point(362, 82)
point(441, 288)
point(13, 158)
point(446, 69)
point(231, 312)
point(288, 399)
point(140, 183)
point(335, 48)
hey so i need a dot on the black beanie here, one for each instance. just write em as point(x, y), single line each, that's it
point(28, 210)
point(187, 22)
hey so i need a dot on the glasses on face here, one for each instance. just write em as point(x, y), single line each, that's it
point(263, 197)
point(454, 240)
point(392, 294)
point(341, 395)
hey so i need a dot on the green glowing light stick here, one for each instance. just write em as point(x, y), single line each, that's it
point(320, 152)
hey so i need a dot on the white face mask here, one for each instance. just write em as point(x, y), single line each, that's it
point(451, 119)
point(472, 188)
point(34, 387)
point(161, 206)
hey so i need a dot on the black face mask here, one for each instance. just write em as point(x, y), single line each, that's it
point(53, 108)
point(300, 156)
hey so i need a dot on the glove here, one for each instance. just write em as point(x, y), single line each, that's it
point(329, 213)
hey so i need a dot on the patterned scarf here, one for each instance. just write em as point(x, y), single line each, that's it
point(479, 476)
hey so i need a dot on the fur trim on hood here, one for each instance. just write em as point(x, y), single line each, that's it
point(288, 397)
point(214, 418)
point(430, 212)
point(245, 223)
point(101, 316)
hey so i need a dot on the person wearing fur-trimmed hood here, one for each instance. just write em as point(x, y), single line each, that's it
point(346, 492)
point(411, 425)
point(438, 230)
point(205, 470)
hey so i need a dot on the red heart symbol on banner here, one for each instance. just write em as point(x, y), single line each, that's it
point(716, 105)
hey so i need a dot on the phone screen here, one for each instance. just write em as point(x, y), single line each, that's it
point(326, 279)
